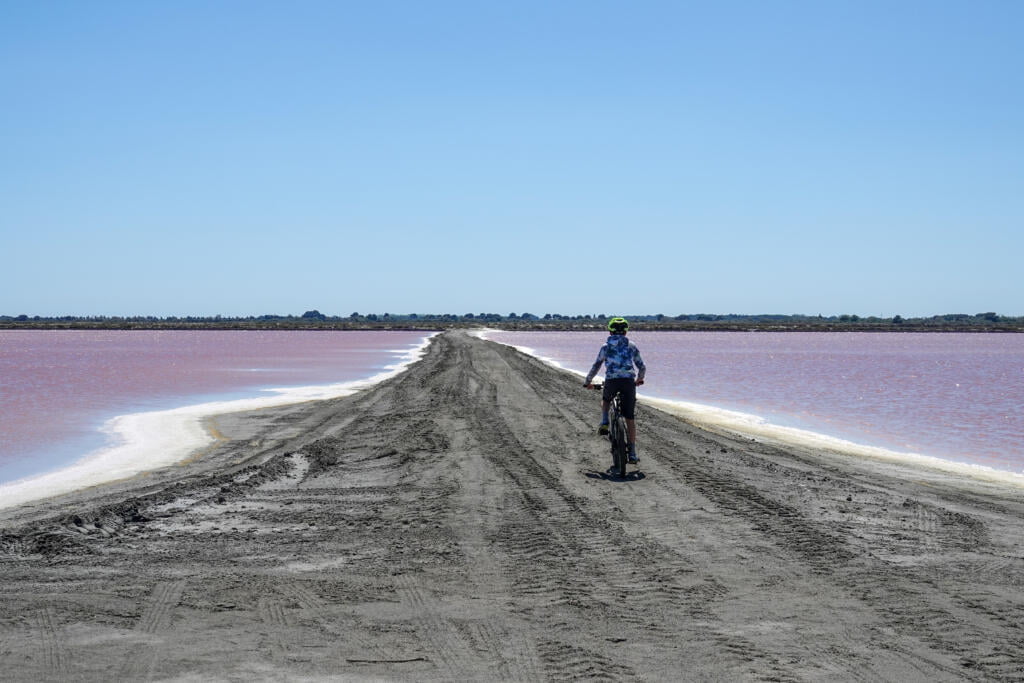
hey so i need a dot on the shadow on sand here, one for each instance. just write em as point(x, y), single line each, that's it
point(630, 476)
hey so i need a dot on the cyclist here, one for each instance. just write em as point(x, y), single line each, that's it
point(619, 355)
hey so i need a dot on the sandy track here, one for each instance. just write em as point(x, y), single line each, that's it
point(452, 524)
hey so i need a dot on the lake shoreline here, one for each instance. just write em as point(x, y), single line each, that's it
point(726, 383)
point(139, 442)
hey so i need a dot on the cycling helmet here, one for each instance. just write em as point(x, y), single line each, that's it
point(618, 326)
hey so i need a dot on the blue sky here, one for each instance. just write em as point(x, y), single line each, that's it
point(241, 158)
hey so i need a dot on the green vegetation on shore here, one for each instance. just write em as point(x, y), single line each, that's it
point(314, 320)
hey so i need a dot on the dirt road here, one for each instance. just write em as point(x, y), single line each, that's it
point(452, 524)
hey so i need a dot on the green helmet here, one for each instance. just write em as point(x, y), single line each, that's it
point(618, 326)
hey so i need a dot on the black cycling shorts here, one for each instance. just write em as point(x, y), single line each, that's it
point(626, 386)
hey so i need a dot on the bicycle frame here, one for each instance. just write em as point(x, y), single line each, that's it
point(617, 434)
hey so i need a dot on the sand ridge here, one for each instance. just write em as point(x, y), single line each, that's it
point(452, 523)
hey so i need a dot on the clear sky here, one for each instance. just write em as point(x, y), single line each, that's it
point(766, 156)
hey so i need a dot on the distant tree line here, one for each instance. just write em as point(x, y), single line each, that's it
point(314, 319)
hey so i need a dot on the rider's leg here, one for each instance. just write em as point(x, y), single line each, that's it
point(602, 428)
point(631, 439)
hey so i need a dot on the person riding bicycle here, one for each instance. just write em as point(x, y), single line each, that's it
point(619, 355)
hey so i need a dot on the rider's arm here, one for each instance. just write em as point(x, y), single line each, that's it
point(639, 365)
point(594, 368)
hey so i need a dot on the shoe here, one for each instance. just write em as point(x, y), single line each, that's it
point(634, 459)
point(602, 429)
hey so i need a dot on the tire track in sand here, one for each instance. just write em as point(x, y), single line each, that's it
point(649, 590)
point(447, 646)
point(315, 609)
point(53, 657)
point(154, 621)
point(566, 561)
point(272, 613)
point(901, 600)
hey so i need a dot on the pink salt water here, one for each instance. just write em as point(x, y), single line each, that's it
point(61, 390)
point(958, 397)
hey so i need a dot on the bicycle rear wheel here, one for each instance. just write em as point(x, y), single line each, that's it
point(618, 439)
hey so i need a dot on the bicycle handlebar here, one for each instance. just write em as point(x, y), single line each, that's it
point(600, 385)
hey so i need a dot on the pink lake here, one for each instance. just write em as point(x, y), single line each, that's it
point(58, 388)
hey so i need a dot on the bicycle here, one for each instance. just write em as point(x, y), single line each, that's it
point(617, 435)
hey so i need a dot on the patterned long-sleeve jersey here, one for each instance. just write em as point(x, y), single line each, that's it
point(618, 355)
